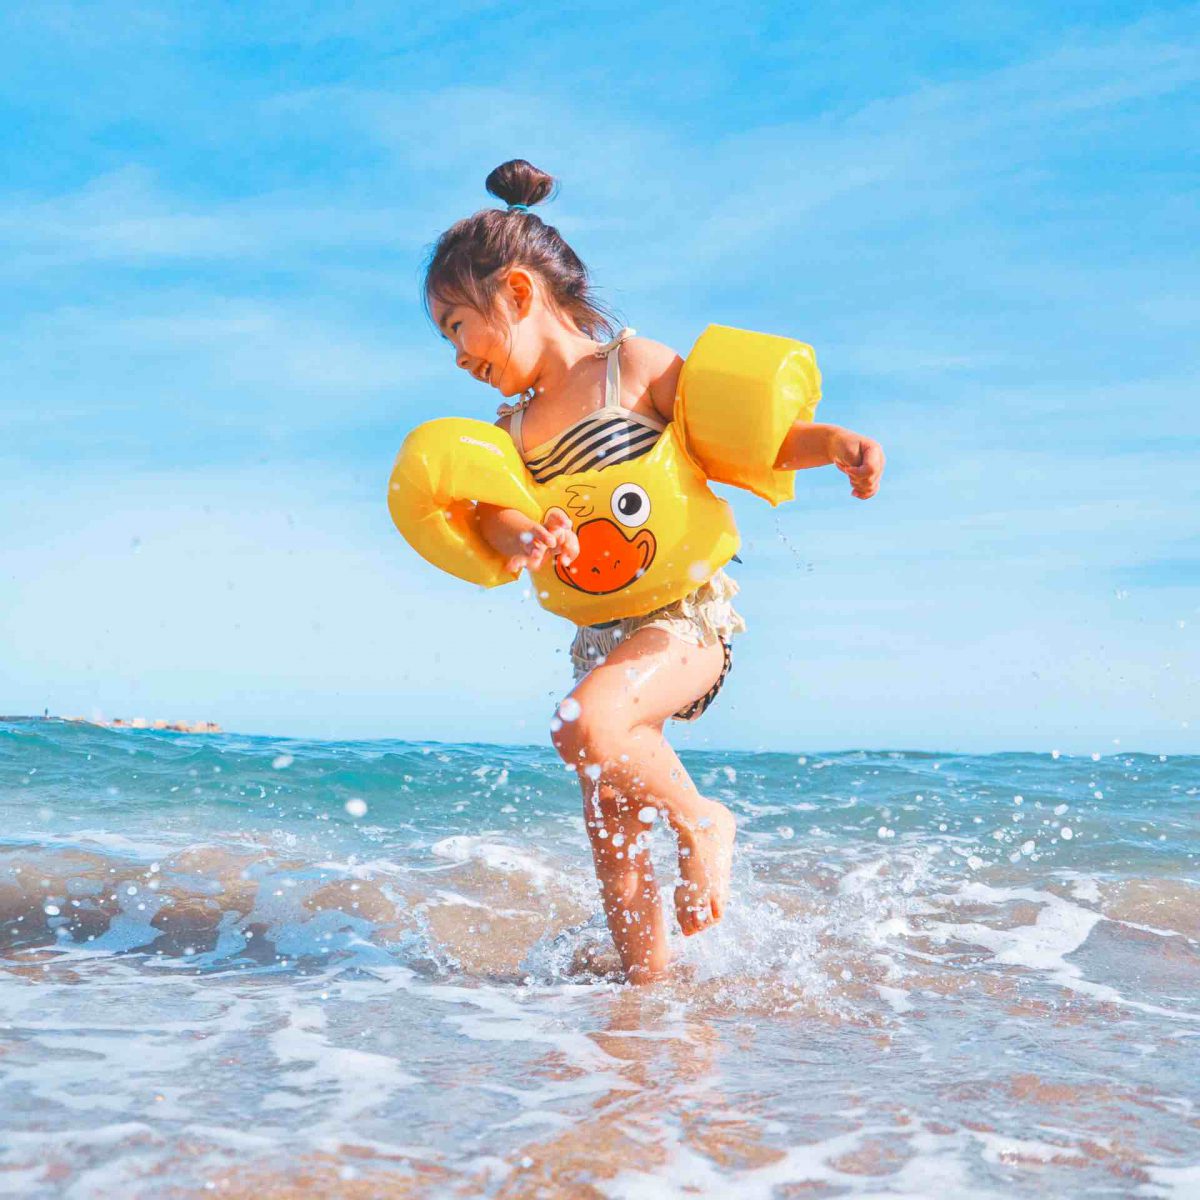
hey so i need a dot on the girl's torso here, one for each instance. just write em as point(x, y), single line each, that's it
point(603, 437)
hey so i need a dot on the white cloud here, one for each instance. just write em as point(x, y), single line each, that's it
point(125, 216)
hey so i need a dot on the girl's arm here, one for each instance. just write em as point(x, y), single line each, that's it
point(522, 541)
point(656, 368)
point(860, 457)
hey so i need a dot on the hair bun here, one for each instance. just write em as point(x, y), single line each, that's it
point(520, 182)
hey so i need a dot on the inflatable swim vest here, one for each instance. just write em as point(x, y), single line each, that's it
point(650, 530)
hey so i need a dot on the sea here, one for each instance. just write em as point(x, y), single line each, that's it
point(270, 967)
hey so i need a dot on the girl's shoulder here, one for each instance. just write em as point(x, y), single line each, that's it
point(650, 366)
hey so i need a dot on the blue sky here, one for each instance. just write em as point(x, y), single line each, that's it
point(212, 223)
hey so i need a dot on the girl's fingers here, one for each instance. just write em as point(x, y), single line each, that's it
point(526, 562)
point(539, 535)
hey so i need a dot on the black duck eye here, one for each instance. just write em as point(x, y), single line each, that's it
point(631, 505)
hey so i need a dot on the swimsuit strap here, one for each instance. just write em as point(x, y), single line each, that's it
point(612, 388)
point(612, 379)
point(514, 428)
point(517, 413)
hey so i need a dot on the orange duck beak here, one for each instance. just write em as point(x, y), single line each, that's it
point(608, 560)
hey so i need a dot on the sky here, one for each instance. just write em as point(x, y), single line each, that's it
point(213, 221)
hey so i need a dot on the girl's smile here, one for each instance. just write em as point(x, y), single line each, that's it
point(480, 349)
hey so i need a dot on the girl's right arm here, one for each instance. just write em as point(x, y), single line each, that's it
point(523, 541)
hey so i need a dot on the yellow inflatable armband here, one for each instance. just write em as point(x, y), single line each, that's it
point(443, 469)
point(739, 394)
point(650, 529)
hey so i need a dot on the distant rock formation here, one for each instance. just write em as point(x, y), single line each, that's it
point(142, 723)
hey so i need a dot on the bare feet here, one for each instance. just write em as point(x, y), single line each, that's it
point(705, 860)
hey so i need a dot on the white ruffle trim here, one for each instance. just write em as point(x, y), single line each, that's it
point(701, 618)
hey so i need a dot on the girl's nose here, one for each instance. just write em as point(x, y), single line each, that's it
point(461, 360)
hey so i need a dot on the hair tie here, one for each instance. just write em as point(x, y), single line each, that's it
point(519, 208)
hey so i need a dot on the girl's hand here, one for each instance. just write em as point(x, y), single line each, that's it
point(861, 458)
point(555, 538)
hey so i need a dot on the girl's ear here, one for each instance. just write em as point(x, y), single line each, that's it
point(520, 291)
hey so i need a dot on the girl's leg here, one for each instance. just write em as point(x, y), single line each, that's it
point(627, 885)
point(616, 741)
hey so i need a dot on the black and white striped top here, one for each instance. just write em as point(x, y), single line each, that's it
point(610, 435)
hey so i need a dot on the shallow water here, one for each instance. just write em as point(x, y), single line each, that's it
point(271, 968)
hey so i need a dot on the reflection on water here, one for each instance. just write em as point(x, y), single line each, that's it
point(215, 978)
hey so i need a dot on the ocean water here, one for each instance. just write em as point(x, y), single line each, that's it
point(259, 967)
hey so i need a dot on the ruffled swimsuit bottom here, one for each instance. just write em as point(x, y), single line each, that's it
point(702, 618)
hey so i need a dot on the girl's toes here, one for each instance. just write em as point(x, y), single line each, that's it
point(685, 909)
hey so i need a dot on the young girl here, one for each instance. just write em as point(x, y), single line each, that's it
point(513, 300)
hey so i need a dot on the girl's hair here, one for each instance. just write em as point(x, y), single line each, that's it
point(466, 260)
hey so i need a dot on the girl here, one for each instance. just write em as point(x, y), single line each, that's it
point(514, 301)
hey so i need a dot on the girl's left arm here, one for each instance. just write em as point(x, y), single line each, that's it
point(657, 368)
point(860, 457)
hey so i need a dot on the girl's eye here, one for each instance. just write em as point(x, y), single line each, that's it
point(631, 505)
point(454, 327)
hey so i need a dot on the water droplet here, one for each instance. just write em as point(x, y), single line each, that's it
point(356, 807)
point(1066, 833)
point(648, 815)
point(570, 709)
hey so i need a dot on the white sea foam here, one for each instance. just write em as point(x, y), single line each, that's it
point(498, 856)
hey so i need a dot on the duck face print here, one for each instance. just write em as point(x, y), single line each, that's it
point(613, 551)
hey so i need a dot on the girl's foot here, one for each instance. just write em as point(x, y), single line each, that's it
point(705, 860)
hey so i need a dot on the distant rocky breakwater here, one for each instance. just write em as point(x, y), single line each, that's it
point(132, 723)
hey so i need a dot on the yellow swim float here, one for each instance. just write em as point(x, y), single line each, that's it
point(650, 530)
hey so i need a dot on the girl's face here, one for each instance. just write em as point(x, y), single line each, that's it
point(496, 349)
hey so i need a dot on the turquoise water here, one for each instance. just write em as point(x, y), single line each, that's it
point(257, 966)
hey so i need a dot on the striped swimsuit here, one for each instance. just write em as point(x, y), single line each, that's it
point(603, 438)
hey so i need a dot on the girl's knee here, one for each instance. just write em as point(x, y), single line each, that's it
point(585, 734)
point(605, 811)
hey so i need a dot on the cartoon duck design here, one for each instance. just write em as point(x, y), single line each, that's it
point(642, 525)
point(613, 551)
